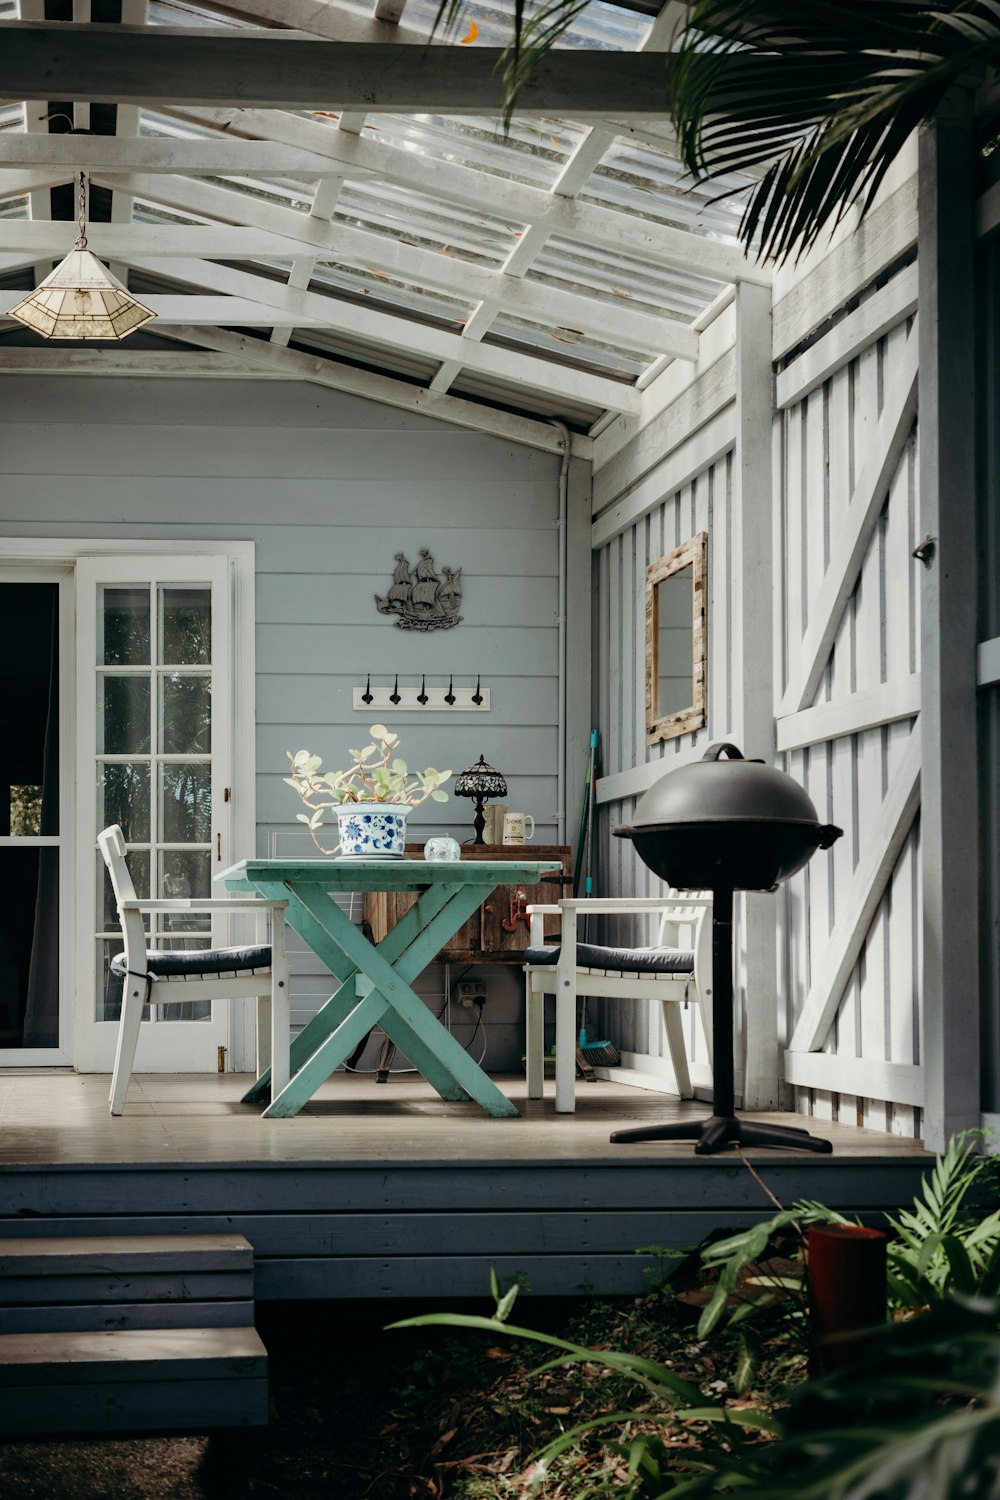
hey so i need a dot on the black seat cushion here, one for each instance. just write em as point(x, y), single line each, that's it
point(622, 960)
point(200, 962)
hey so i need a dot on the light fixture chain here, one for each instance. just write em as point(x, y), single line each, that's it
point(81, 243)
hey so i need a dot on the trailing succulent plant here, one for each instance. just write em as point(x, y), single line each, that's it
point(376, 774)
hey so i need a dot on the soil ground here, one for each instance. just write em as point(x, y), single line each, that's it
point(356, 1412)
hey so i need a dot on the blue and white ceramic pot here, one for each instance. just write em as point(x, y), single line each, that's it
point(372, 830)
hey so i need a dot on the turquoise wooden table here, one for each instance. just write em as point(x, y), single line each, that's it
point(447, 895)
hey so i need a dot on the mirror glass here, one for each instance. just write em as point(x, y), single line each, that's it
point(675, 635)
point(676, 641)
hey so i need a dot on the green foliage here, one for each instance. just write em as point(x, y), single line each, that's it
point(815, 98)
point(821, 95)
point(943, 1243)
point(747, 1277)
point(917, 1419)
point(376, 774)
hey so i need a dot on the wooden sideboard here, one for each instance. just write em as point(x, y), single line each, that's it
point(498, 932)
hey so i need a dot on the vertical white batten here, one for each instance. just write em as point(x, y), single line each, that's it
point(564, 432)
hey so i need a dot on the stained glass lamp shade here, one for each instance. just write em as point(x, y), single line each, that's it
point(81, 299)
point(481, 782)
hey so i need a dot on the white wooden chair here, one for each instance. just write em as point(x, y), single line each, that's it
point(163, 976)
point(671, 972)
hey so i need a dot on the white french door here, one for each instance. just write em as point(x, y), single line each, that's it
point(154, 730)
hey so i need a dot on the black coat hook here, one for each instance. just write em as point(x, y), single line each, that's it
point(449, 696)
point(422, 695)
point(367, 695)
point(477, 696)
point(394, 695)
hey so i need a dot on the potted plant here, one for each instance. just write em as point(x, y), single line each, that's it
point(371, 798)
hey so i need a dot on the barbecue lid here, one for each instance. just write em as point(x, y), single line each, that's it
point(717, 790)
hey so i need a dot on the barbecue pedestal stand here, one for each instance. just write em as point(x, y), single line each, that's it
point(722, 1128)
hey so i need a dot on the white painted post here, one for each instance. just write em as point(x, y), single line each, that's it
point(753, 707)
point(950, 803)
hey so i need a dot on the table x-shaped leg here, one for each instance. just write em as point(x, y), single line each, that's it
point(403, 954)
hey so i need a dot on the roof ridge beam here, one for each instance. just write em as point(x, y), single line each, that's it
point(114, 64)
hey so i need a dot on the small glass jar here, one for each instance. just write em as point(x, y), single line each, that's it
point(442, 848)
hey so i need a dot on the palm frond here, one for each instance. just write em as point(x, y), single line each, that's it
point(823, 93)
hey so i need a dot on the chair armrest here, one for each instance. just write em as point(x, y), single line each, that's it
point(537, 913)
point(196, 904)
point(625, 904)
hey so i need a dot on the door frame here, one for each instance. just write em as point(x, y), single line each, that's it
point(62, 553)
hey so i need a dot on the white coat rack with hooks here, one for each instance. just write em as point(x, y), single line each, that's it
point(444, 697)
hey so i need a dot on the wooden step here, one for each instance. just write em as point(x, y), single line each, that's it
point(125, 1281)
point(133, 1380)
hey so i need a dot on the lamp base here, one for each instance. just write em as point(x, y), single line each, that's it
point(720, 1131)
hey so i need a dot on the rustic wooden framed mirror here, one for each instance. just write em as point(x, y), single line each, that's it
point(677, 641)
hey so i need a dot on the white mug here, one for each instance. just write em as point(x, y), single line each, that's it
point(494, 815)
point(515, 829)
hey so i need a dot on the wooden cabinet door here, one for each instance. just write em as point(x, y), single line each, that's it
point(483, 938)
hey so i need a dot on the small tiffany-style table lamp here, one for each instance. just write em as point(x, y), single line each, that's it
point(483, 783)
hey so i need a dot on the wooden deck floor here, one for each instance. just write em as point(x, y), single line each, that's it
point(387, 1191)
point(62, 1117)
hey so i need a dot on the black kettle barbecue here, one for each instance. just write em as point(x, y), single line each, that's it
point(726, 825)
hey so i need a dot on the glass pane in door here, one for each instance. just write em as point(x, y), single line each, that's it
point(29, 815)
point(154, 761)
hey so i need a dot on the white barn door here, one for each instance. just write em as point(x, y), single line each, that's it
point(849, 646)
point(154, 731)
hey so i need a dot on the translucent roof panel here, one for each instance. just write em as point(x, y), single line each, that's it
point(378, 289)
point(14, 208)
point(189, 13)
point(581, 351)
point(416, 219)
point(367, 354)
point(535, 151)
point(613, 277)
point(654, 185)
point(598, 25)
point(11, 115)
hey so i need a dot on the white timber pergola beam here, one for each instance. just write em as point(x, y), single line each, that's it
point(221, 355)
point(402, 333)
point(195, 158)
point(157, 245)
point(96, 63)
point(211, 312)
point(351, 156)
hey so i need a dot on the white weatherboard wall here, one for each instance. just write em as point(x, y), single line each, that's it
point(670, 482)
point(328, 488)
point(845, 639)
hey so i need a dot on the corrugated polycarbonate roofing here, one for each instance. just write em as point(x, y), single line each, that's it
point(485, 226)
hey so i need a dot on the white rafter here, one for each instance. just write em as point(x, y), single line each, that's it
point(197, 299)
point(660, 244)
point(419, 266)
point(394, 332)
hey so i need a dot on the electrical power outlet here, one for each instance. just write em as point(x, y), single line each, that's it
point(471, 992)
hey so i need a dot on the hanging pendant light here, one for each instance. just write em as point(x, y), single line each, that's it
point(81, 299)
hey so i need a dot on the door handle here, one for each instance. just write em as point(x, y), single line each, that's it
point(218, 847)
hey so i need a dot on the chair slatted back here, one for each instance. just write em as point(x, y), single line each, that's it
point(112, 846)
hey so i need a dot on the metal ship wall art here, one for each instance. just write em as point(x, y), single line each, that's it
point(421, 598)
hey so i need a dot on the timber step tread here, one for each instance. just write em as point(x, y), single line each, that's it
point(121, 1253)
point(132, 1380)
point(106, 1282)
point(148, 1353)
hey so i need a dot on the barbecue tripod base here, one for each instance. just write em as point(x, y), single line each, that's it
point(720, 1131)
